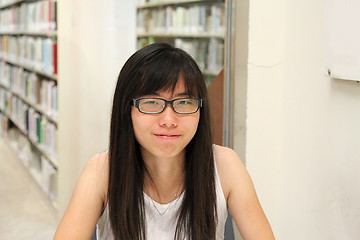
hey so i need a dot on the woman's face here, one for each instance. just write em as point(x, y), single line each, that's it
point(165, 134)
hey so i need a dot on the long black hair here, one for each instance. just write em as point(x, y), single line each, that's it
point(152, 68)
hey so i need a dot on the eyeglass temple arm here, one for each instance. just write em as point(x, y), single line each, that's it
point(135, 103)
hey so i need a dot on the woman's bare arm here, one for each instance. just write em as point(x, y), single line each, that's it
point(241, 197)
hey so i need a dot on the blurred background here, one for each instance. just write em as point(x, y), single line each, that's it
point(283, 79)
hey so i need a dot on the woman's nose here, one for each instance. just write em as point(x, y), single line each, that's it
point(168, 117)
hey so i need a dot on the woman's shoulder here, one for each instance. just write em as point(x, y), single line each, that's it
point(98, 165)
point(99, 161)
point(229, 165)
point(97, 168)
point(225, 157)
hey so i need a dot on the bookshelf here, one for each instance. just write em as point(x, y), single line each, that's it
point(204, 29)
point(28, 87)
point(197, 26)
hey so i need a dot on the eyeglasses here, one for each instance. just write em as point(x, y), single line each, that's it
point(157, 105)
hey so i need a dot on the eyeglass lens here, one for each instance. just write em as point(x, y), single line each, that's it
point(155, 105)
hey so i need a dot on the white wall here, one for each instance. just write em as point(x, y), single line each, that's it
point(302, 129)
point(95, 39)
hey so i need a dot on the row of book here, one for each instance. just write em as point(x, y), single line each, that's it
point(4, 97)
point(43, 93)
point(42, 131)
point(28, 120)
point(141, 2)
point(29, 16)
point(34, 52)
point(4, 75)
point(44, 173)
point(49, 179)
point(209, 54)
point(182, 19)
point(18, 111)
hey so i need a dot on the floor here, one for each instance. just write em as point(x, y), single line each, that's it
point(25, 213)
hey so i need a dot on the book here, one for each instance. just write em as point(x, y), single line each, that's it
point(209, 54)
point(48, 174)
point(199, 18)
point(54, 56)
point(30, 16)
point(4, 101)
point(34, 52)
point(3, 123)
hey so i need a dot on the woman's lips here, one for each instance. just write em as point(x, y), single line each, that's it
point(167, 136)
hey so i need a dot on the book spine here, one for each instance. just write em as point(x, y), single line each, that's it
point(43, 94)
point(51, 16)
point(55, 13)
point(55, 57)
point(3, 123)
point(50, 56)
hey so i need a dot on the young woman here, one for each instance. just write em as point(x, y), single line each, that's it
point(162, 178)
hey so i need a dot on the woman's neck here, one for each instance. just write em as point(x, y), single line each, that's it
point(164, 180)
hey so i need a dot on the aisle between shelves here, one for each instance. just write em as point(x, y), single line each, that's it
point(43, 172)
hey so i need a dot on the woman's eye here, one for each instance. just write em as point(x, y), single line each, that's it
point(150, 102)
point(183, 102)
point(186, 102)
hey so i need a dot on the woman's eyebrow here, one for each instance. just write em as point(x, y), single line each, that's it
point(183, 94)
point(151, 94)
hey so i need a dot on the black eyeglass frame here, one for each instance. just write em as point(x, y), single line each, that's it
point(135, 103)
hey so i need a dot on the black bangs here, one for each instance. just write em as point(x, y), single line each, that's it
point(161, 68)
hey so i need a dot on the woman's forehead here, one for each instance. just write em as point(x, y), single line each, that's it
point(179, 90)
point(171, 86)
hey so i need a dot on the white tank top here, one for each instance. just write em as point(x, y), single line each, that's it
point(161, 218)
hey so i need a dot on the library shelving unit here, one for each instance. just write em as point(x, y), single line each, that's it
point(202, 28)
point(197, 26)
point(28, 87)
